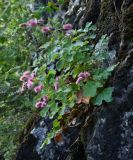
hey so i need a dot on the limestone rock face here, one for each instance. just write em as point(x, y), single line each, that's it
point(109, 133)
point(113, 135)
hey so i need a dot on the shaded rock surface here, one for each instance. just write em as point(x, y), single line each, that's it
point(108, 135)
point(113, 136)
point(31, 147)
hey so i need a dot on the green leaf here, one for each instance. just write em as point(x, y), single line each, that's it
point(51, 72)
point(105, 95)
point(93, 28)
point(46, 45)
point(101, 74)
point(54, 56)
point(92, 36)
point(69, 57)
point(60, 65)
point(90, 88)
point(54, 109)
point(44, 112)
point(53, 6)
point(56, 124)
point(78, 44)
point(111, 68)
point(67, 90)
point(71, 105)
point(60, 1)
point(88, 24)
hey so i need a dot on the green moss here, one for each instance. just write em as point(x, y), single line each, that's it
point(27, 127)
point(108, 20)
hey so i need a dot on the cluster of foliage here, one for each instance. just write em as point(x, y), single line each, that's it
point(69, 70)
point(63, 69)
point(16, 49)
point(14, 58)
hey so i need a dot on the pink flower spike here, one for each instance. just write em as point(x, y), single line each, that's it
point(32, 23)
point(45, 29)
point(32, 77)
point(79, 79)
point(41, 86)
point(86, 74)
point(57, 78)
point(56, 86)
point(30, 84)
point(81, 75)
point(40, 105)
point(45, 99)
point(67, 26)
point(26, 73)
point(37, 89)
point(23, 78)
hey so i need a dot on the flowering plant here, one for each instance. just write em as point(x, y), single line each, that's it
point(73, 73)
point(65, 70)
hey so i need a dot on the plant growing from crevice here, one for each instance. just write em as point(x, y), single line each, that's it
point(71, 71)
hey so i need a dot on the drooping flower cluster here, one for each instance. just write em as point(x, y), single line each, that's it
point(32, 22)
point(27, 79)
point(46, 29)
point(37, 89)
point(68, 28)
point(42, 103)
point(82, 76)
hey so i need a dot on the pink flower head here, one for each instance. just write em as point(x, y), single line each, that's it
point(86, 74)
point(46, 29)
point(56, 86)
point(79, 79)
point(81, 75)
point(23, 25)
point(40, 105)
point(57, 78)
point(67, 26)
point(32, 22)
point(26, 73)
point(23, 78)
point(37, 89)
point(30, 84)
point(32, 76)
point(45, 99)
